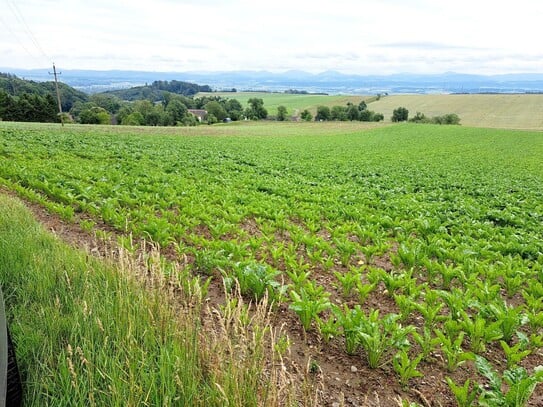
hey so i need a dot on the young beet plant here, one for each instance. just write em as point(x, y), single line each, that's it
point(378, 336)
point(406, 368)
point(520, 385)
point(308, 301)
point(452, 349)
point(257, 280)
point(350, 321)
point(465, 397)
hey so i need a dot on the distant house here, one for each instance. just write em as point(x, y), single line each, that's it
point(199, 113)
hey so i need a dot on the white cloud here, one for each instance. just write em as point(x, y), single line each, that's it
point(347, 35)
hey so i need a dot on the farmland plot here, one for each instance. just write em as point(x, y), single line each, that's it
point(416, 251)
point(492, 111)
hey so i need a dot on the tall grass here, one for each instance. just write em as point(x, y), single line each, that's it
point(89, 332)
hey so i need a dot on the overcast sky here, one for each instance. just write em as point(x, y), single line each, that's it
point(351, 36)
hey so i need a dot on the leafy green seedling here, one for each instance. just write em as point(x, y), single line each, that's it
point(520, 385)
point(463, 395)
point(406, 368)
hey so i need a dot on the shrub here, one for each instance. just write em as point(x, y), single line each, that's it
point(306, 115)
point(400, 114)
point(323, 113)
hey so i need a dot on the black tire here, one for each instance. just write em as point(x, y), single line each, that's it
point(14, 389)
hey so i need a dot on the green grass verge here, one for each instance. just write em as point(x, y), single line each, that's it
point(87, 333)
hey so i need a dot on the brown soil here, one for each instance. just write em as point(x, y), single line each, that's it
point(348, 381)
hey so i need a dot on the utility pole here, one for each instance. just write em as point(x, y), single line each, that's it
point(58, 95)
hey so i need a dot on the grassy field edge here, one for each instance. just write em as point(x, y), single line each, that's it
point(88, 333)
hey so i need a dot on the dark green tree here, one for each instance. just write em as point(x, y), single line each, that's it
point(133, 119)
point(234, 109)
point(338, 113)
point(216, 109)
point(352, 112)
point(94, 115)
point(7, 105)
point(281, 113)
point(176, 110)
point(211, 118)
point(306, 115)
point(109, 102)
point(323, 113)
point(400, 114)
point(256, 109)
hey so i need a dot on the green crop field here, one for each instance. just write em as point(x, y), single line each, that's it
point(494, 111)
point(414, 252)
point(294, 103)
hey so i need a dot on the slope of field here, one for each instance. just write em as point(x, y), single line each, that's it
point(294, 103)
point(401, 250)
point(493, 111)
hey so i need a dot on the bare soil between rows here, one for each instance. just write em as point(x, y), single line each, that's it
point(342, 379)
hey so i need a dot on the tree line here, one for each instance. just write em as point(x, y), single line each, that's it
point(172, 110)
point(28, 107)
point(401, 114)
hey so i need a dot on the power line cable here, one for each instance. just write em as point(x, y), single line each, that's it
point(33, 38)
point(14, 35)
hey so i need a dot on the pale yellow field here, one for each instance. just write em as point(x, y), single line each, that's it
point(497, 111)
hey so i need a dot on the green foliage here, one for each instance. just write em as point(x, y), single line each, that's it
point(176, 110)
point(215, 110)
point(348, 280)
point(134, 119)
point(406, 368)
point(465, 397)
point(28, 108)
point(17, 87)
point(452, 349)
point(110, 103)
point(352, 112)
point(370, 116)
point(480, 331)
point(308, 301)
point(155, 91)
point(323, 114)
point(449, 118)
point(256, 109)
point(381, 335)
point(350, 320)
point(514, 354)
point(306, 115)
point(451, 227)
point(281, 113)
point(338, 113)
point(400, 114)
point(520, 385)
point(86, 331)
point(420, 118)
point(95, 115)
point(257, 280)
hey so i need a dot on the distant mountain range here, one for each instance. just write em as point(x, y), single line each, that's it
point(328, 82)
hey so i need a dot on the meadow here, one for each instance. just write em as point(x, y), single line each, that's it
point(413, 252)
